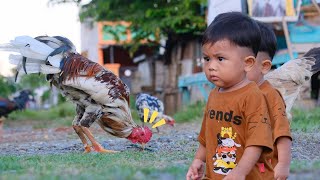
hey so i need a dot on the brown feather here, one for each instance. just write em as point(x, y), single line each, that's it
point(118, 90)
point(117, 128)
point(77, 65)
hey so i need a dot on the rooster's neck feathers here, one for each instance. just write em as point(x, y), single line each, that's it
point(75, 65)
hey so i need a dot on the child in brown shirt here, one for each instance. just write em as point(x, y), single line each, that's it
point(236, 130)
point(276, 106)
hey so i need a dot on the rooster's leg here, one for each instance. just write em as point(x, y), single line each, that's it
point(78, 130)
point(92, 112)
point(96, 146)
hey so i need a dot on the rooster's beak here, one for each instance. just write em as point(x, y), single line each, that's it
point(143, 145)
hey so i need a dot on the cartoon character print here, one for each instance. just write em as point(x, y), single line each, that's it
point(225, 156)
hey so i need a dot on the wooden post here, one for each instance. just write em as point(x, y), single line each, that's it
point(113, 68)
point(287, 37)
point(314, 2)
point(100, 56)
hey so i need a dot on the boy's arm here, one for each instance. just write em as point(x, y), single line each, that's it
point(282, 136)
point(282, 169)
point(249, 158)
point(196, 169)
point(284, 150)
point(201, 153)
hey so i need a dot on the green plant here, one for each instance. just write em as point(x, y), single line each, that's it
point(306, 120)
point(46, 95)
point(61, 99)
point(176, 21)
point(33, 81)
point(190, 112)
point(7, 87)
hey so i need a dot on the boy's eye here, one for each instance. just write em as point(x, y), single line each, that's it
point(206, 58)
point(220, 58)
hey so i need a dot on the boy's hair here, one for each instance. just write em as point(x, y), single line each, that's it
point(236, 27)
point(268, 40)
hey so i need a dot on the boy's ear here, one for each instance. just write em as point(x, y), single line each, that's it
point(266, 66)
point(249, 62)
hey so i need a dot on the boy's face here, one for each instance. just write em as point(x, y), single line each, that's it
point(224, 64)
point(260, 68)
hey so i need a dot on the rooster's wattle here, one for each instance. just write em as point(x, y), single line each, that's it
point(99, 95)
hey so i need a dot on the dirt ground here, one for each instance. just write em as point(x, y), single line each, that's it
point(22, 139)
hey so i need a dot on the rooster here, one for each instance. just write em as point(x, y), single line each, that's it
point(18, 102)
point(289, 78)
point(99, 95)
point(153, 104)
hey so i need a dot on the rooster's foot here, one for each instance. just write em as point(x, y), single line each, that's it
point(87, 148)
point(100, 149)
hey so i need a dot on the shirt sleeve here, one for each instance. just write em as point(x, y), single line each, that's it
point(258, 126)
point(202, 134)
point(281, 126)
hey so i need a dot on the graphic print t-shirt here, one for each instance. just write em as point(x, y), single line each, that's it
point(278, 118)
point(233, 121)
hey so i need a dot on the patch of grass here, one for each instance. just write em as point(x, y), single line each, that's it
point(61, 115)
point(304, 165)
point(124, 165)
point(134, 111)
point(132, 102)
point(190, 112)
point(306, 121)
point(63, 110)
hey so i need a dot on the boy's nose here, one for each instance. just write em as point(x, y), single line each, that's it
point(212, 66)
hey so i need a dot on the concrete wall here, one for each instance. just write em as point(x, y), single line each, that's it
point(89, 40)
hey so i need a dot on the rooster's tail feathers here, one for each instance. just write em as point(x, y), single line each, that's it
point(315, 53)
point(306, 64)
point(46, 69)
point(8, 47)
point(50, 41)
point(31, 48)
point(57, 42)
point(16, 59)
point(35, 55)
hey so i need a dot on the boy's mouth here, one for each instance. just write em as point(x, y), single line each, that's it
point(214, 78)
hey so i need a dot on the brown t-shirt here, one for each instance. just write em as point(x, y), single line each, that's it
point(233, 121)
point(277, 112)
